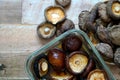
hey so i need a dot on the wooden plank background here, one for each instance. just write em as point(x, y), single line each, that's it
point(18, 38)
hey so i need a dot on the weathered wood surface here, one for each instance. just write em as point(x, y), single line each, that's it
point(10, 11)
point(17, 41)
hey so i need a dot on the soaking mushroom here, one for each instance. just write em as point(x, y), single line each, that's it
point(56, 58)
point(40, 66)
point(43, 66)
point(71, 43)
point(97, 74)
point(76, 62)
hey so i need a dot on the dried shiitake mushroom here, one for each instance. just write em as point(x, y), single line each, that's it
point(90, 23)
point(56, 58)
point(64, 26)
point(83, 16)
point(55, 14)
point(71, 43)
point(63, 3)
point(46, 30)
point(114, 33)
point(97, 74)
point(103, 34)
point(103, 13)
point(99, 22)
point(40, 66)
point(117, 57)
point(76, 62)
point(61, 76)
point(113, 9)
point(43, 66)
point(105, 49)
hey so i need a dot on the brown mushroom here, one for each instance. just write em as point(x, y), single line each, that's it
point(105, 49)
point(114, 33)
point(55, 14)
point(97, 74)
point(64, 26)
point(90, 23)
point(83, 16)
point(63, 3)
point(113, 9)
point(117, 57)
point(103, 13)
point(103, 34)
point(38, 66)
point(99, 22)
point(46, 30)
point(71, 43)
point(56, 58)
point(76, 62)
point(43, 67)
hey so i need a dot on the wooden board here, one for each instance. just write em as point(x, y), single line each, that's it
point(10, 11)
point(16, 43)
point(18, 38)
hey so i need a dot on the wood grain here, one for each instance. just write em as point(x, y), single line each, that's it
point(16, 43)
point(10, 11)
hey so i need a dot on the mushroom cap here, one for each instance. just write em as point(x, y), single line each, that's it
point(56, 58)
point(55, 14)
point(114, 34)
point(117, 57)
point(103, 13)
point(113, 9)
point(71, 43)
point(46, 30)
point(63, 3)
point(76, 62)
point(97, 74)
point(43, 67)
point(83, 16)
point(105, 49)
point(64, 26)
